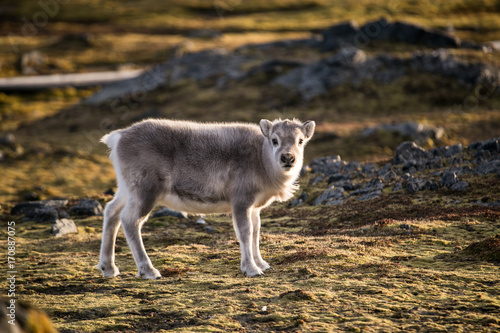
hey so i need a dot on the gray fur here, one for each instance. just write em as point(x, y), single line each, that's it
point(200, 168)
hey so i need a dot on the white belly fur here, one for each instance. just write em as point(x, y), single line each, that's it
point(172, 201)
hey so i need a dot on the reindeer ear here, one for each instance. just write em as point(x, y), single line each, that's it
point(265, 127)
point(308, 128)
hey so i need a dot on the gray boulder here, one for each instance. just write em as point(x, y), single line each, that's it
point(447, 151)
point(369, 196)
point(487, 167)
point(26, 207)
point(338, 35)
point(87, 207)
point(416, 131)
point(332, 193)
point(169, 212)
point(327, 165)
point(449, 179)
point(63, 227)
point(197, 66)
point(410, 152)
point(461, 186)
point(414, 185)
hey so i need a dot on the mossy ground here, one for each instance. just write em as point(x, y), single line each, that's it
point(349, 268)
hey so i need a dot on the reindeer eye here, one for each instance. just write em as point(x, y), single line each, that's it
point(301, 141)
point(275, 142)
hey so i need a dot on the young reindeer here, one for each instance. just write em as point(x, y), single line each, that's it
point(200, 168)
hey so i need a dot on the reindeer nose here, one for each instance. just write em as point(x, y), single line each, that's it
point(287, 158)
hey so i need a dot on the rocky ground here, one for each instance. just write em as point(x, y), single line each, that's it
point(401, 233)
point(409, 244)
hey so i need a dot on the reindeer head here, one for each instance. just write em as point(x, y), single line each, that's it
point(286, 140)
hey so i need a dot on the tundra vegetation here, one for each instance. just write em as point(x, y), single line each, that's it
point(421, 258)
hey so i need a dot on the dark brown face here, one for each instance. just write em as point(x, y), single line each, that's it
point(287, 139)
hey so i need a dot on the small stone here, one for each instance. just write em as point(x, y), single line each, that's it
point(406, 177)
point(461, 186)
point(413, 186)
point(42, 214)
point(398, 187)
point(165, 211)
point(201, 221)
point(209, 229)
point(448, 179)
point(338, 177)
point(316, 180)
point(405, 226)
point(87, 207)
point(370, 196)
point(63, 227)
point(369, 168)
point(390, 175)
point(330, 194)
point(351, 167)
point(431, 186)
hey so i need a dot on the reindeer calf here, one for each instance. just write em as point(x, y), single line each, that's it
point(200, 168)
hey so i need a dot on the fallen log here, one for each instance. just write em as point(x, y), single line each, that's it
point(79, 80)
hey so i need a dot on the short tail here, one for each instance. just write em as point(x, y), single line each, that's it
point(111, 139)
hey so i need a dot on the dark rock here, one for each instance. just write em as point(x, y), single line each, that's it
point(327, 165)
point(312, 42)
point(317, 180)
point(87, 207)
point(488, 167)
point(410, 152)
point(384, 170)
point(398, 187)
point(444, 63)
point(370, 196)
point(274, 66)
point(338, 177)
point(349, 33)
point(447, 151)
point(406, 177)
point(63, 227)
point(390, 175)
point(346, 185)
point(449, 179)
point(109, 191)
point(169, 212)
point(349, 65)
point(42, 214)
point(431, 186)
point(369, 168)
point(27, 207)
point(209, 229)
point(415, 131)
point(372, 186)
point(338, 35)
point(405, 226)
point(351, 167)
point(461, 186)
point(413, 186)
point(492, 145)
point(300, 200)
point(332, 193)
point(196, 66)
